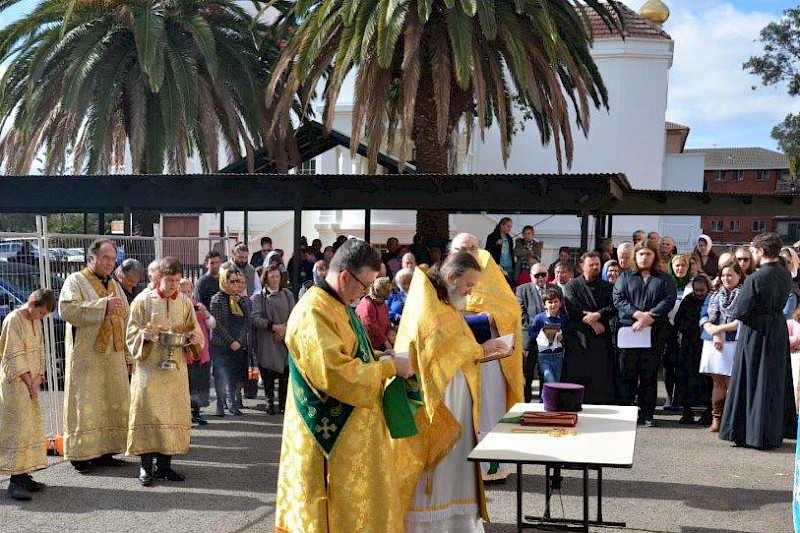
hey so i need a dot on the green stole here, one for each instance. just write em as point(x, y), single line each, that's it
point(325, 416)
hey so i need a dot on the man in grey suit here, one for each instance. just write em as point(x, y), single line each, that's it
point(530, 299)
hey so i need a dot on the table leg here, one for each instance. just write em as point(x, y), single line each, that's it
point(547, 492)
point(519, 498)
point(600, 494)
point(585, 499)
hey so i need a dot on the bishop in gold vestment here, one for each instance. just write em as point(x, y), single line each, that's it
point(352, 488)
point(96, 395)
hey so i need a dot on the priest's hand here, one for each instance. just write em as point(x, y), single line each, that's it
point(598, 328)
point(495, 347)
point(192, 338)
point(149, 332)
point(402, 367)
point(590, 318)
point(114, 303)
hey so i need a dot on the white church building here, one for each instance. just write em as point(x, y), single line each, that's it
point(632, 137)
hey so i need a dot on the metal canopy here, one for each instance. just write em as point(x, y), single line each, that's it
point(639, 202)
point(312, 140)
point(462, 193)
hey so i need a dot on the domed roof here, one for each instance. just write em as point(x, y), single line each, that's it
point(655, 12)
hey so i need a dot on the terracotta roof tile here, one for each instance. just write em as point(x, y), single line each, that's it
point(741, 158)
point(634, 25)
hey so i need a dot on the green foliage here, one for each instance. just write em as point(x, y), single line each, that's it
point(453, 58)
point(90, 81)
point(781, 64)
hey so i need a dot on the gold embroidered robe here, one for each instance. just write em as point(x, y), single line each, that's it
point(494, 296)
point(439, 342)
point(22, 446)
point(361, 493)
point(96, 396)
point(160, 415)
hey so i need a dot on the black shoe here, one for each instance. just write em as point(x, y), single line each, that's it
point(235, 411)
point(83, 467)
point(650, 423)
point(145, 477)
point(198, 419)
point(687, 418)
point(18, 492)
point(270, 408)
point(169, 474)
point(31, 485)
point(108, 460)
point(705, 419)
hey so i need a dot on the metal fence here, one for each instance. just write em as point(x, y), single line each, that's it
point(29, 261)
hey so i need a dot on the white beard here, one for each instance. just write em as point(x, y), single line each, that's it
point(456, 300)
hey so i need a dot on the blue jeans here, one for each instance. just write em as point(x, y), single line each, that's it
point(223, 361)
point(550, 366)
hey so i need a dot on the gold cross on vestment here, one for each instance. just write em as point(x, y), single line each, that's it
point(326, 428)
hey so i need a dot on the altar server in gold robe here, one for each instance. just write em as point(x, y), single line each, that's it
point(336, 470)
point(501, 381)
point(160, 417)
point(96, 396)
point(22, 436)
point(443, 488)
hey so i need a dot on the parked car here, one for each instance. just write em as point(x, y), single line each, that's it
point(17, 281)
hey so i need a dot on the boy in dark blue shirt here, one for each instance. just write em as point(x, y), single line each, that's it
point(548, 330)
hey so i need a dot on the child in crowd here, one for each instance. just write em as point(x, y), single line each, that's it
point(548, 329)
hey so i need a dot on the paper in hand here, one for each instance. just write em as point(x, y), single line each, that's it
point(628, 338)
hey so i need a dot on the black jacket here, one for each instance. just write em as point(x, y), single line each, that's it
point(632, 294)
point(497, 249)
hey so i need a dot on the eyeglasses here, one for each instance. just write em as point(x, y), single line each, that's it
point(540, 275)
point(364, 288)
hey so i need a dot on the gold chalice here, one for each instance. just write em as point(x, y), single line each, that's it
point(171, 340)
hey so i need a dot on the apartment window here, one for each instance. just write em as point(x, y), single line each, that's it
point(716, 225)
point(719, 175)
point(738, 175)
point(759, 225)
point(308, 167)
point(735, 225)
point(762, 175)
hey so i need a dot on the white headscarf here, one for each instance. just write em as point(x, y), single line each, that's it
point(708, 240)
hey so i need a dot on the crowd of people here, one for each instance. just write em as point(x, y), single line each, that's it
point(720, 326)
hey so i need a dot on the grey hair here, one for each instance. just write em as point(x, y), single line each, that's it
point(402, 273)
point(153, 267)
point(625, 246)
point(461, 237)
point(94, 248)
point(130, 266)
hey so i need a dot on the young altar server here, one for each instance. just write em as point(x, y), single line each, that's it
point(160, 416)
point(22, 438)
point(444, 489)
point(337, 473)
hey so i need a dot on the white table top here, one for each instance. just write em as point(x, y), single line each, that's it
point(606, 437)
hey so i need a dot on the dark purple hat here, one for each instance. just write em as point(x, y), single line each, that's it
point(566, 397)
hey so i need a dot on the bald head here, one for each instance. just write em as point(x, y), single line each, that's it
point(466, 242)
point(408, 261)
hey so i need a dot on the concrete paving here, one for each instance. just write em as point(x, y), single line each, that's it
point(684, 480)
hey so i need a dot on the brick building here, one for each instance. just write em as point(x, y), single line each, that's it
point(743, 170)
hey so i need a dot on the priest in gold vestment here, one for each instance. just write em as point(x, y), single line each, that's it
point(336, 470)
point(501, 381)
point(160, 416)
point(21, 372)
point(96, 392)
point(442, 489)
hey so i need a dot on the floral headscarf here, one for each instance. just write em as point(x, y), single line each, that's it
point(380, 289)
point(225, 272)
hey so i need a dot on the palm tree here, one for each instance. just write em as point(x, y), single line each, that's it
point(91, 81)
point(424, 65)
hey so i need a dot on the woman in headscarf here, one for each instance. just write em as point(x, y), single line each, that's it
point(374, 314)
point(611, 271)
point(271, 310)
point(229, 342)
point(708, 258)
point(678, 270)
point(276, 258)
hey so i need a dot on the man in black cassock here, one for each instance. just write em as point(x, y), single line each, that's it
point(759, 409)
point(588, 358)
